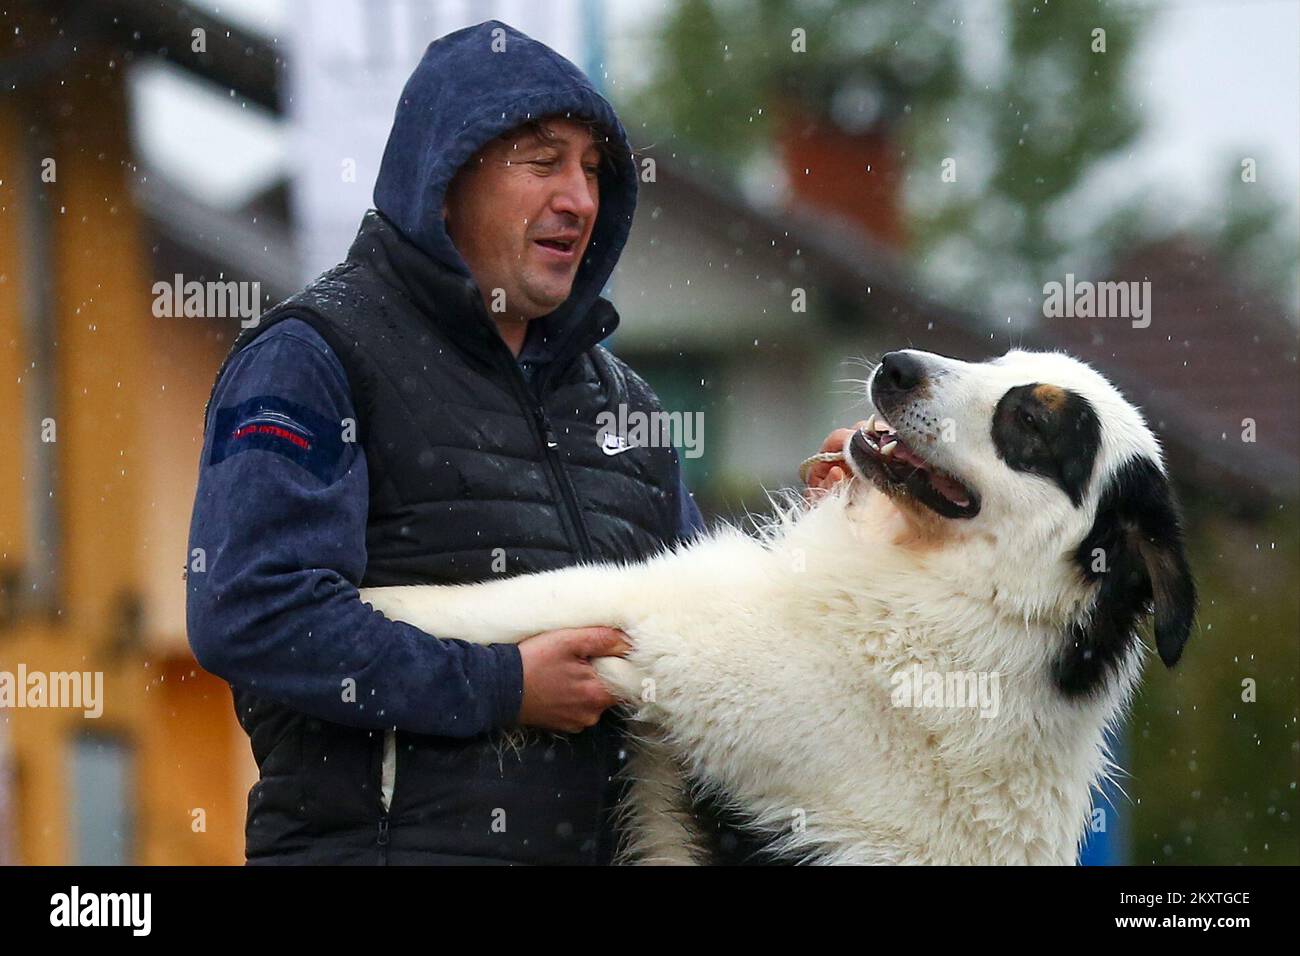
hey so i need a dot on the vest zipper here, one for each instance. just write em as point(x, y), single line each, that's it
point(551, 445)
point(550, 448)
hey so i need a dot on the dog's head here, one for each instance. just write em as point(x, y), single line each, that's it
point(1039, 452)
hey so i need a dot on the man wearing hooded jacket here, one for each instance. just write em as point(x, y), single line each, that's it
point(426, 412)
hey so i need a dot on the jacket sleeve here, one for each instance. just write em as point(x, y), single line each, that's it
point(277, 552)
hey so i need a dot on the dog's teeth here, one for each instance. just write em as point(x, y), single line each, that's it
point(887, 451)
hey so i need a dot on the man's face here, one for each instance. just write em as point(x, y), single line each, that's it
point(521, 211)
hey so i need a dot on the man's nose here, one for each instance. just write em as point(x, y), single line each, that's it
point(899, 373)
point(574, 195)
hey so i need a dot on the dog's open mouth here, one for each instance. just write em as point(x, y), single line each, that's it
point(881, 455)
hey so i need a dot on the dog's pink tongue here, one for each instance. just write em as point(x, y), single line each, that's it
point(949, 489)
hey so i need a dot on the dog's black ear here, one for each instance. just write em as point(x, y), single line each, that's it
point(1135, 551)
point(1173, 594)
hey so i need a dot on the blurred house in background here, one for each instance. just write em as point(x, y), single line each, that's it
point(740, 308)
point(103, 404)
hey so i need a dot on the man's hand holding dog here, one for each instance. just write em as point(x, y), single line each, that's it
point(561, 689)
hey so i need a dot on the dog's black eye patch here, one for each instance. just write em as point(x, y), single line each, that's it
point(1049, 431)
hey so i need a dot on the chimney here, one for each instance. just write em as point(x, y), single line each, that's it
point(854, 176)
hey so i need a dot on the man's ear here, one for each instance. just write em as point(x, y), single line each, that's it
point(1135, 552)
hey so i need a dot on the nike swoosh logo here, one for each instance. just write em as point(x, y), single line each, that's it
point(616, 449)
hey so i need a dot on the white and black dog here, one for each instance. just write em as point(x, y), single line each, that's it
point(918, 668)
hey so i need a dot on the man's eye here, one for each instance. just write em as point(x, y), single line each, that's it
point(592, 170)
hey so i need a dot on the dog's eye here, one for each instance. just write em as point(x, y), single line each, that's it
point(1027, 418)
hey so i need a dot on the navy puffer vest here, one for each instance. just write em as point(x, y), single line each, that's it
point(474, 473)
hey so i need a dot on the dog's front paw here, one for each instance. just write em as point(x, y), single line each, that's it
point(623, 678)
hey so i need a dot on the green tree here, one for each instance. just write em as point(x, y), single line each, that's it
point(1253, 233)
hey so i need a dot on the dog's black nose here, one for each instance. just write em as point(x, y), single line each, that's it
point(899, 373)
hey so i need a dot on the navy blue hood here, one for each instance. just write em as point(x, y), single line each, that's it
point(461, 97)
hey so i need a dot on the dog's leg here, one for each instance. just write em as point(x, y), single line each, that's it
point(508, 610)
point(675, 608)
point(623, 678)
point(658, 821)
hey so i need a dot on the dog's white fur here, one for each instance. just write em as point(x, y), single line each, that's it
point(763, 666)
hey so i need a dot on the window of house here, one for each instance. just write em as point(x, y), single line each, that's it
point(100, 802)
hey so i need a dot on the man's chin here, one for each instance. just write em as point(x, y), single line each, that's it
point(546, 298)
